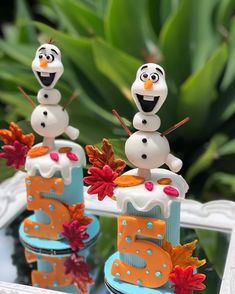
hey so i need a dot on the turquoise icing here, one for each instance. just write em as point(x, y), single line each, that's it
point(73, 194)
point(127, 288)
point(92, 229)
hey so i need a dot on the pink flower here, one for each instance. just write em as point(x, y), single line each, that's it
point(185, 281)
point(15, 154)
point(101, 181)
point(76, 266)
point(76, 234)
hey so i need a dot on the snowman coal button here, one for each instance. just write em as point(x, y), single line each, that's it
point(147, 123)
point(144, 156)
point(49, 96)
point(144, 140)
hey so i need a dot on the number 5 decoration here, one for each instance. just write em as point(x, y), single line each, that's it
point(56, 211)
point(158, 265)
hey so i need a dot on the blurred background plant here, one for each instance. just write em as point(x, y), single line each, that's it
point(103, 42)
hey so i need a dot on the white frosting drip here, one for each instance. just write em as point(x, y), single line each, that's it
point(47, 167)
point(144, 200)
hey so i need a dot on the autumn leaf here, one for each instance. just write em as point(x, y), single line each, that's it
point(77, 213)
point(105, 156)
point(181, 255)
point(15, 134)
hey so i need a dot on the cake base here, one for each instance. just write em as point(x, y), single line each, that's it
point(117, 286)
point(57, 247)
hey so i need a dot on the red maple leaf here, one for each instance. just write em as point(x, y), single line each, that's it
point(15, 154)
point(101, 181)
point(185, 281)
point(76, 266)
point(76, 234)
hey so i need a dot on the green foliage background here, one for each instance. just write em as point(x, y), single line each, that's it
point(103, 42)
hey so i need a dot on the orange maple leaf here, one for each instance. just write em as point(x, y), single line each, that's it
point(15, 133)
point(105, 156)
point(181, 255)
point(77, 213)
point(82, 284)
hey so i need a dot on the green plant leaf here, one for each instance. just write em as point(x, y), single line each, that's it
point(204, 37)
point(230, 68)
point(174, 40)
point(198, 92)
point(214, 243)
point(116, 65)
point(220, 183)
point(19, 52)
point(126, 27)
point(205, 160)
point(87, 23)
point(224, 13)
point(26, 32)
point(227, 149)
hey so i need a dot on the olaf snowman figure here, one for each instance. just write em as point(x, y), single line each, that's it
point(49, 119)
point(147, 148)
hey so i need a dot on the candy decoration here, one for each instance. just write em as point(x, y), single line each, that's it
point(53, 208)
point(128, 181)
point(54, 156)
point(154, 256)
point(38, 151)
point(164, 181)
point(72, 156)
point(171, 191)
point(65, 149)
point(149, 186)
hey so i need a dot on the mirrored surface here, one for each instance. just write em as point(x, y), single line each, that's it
point(14, 268)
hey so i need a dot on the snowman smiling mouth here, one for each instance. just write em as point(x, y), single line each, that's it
point(147, 102)
point(46, 77)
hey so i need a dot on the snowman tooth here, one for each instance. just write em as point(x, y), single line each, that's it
point(44, 74)
point(148, 98)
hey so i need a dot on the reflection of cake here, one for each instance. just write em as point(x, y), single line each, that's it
point(58, 232)
point(149, 258)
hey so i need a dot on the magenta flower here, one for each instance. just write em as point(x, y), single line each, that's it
point(15, 154)
point(101, 181)
point(76, 233)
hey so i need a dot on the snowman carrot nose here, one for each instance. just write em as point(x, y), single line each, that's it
point(43, 63)
point(148, 85)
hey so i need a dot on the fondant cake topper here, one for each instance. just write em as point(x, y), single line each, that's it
point(149, 258)
point(59, 232)
point(49, 119)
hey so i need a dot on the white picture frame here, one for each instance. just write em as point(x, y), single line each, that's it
point(216, 215)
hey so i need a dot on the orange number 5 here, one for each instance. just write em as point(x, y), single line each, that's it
point(56, 211)
point(158, 263)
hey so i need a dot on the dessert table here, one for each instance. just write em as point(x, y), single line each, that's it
point(216, 215)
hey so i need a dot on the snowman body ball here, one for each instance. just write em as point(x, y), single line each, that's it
point(49, 119)
point(146, 148)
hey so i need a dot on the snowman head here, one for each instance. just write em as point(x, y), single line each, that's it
point(47, 65)
point(149, 89)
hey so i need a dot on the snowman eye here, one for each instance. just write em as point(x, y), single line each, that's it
point(40, 56)
point(144, 76)
point(154, 77)
point(50, 58)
